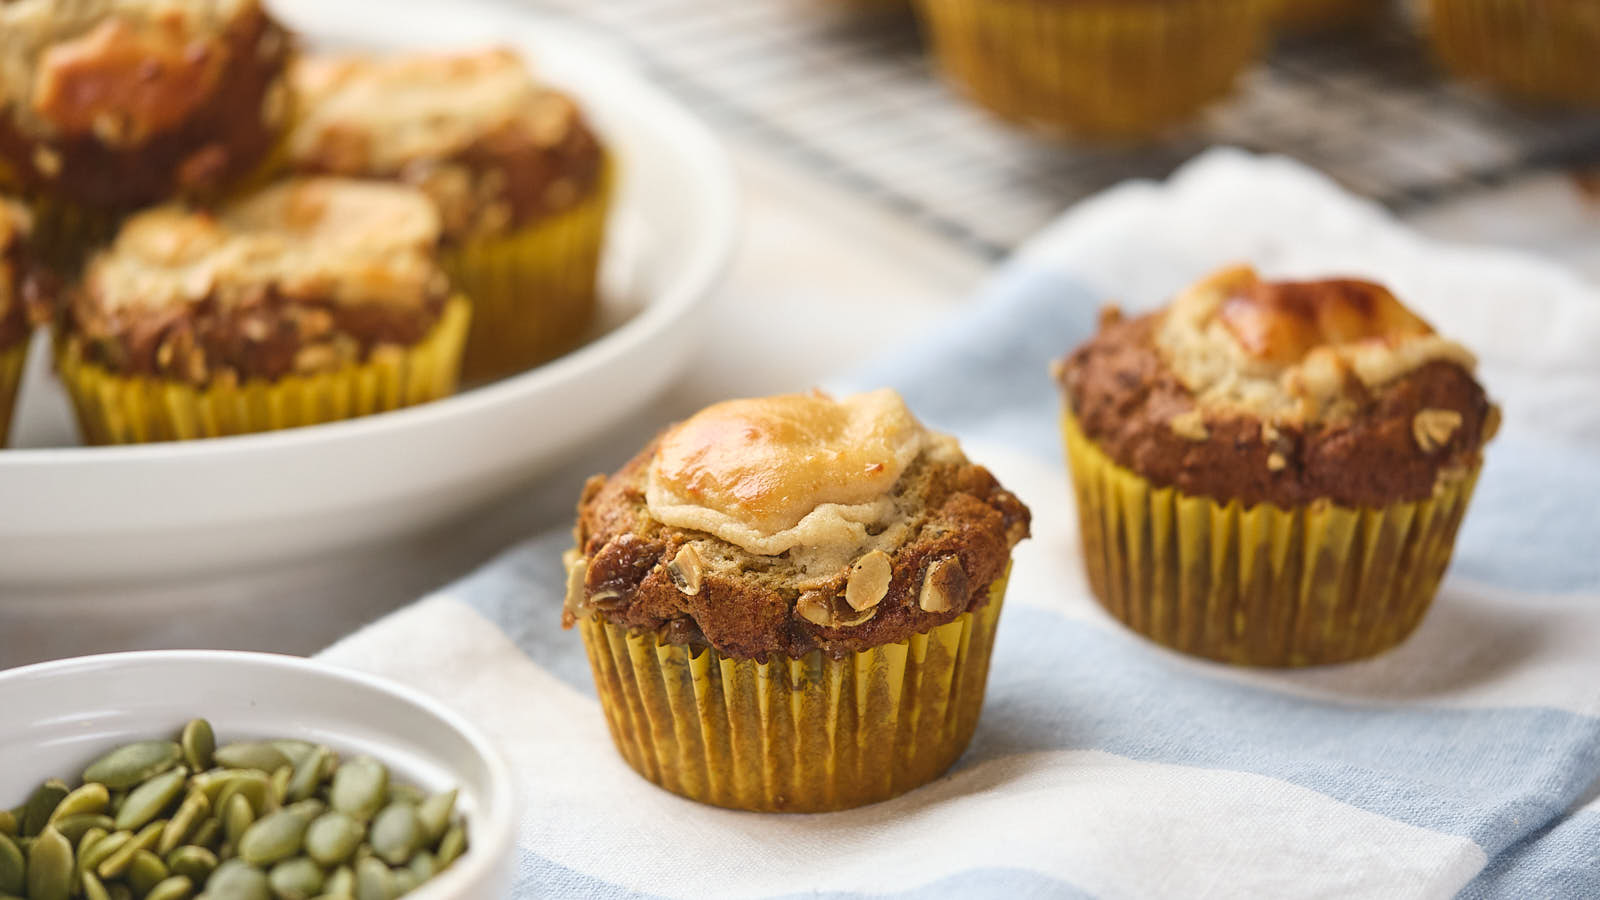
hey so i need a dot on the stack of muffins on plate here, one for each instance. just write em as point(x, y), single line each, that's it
point(245, 239)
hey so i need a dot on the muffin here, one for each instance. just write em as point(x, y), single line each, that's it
point(521, 181)
point(789, 602)
point(312, 300)
point(1308, 15)
point(111, 105)
point(15, 287)
point(1541, 50)
point(1096, 68)
point(1272, 473)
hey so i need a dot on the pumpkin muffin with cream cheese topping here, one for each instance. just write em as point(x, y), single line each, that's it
point(1272, 473)
point(789, 602)
point(521, 180)
point(312, 300)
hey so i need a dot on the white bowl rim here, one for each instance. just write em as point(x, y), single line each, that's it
point(493, 836)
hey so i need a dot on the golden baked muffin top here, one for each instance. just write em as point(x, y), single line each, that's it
point(783, 524)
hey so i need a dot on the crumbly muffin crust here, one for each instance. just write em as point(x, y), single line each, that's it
point(305, 276)
point(1303, 391)
point(494, 148)
point(115, 104)
point(942, 536)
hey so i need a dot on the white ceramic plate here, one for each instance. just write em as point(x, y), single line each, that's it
point(78, 514)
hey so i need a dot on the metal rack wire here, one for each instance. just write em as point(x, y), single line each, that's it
point(857, 100)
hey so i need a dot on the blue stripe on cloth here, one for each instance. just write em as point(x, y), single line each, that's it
point(1562, 860)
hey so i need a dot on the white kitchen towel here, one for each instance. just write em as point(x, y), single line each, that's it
point(1466, 760)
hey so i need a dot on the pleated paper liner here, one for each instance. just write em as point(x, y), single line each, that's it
point(533, 291)
point(1305, 15)
point(123, 409)
point(1103, 69)
point(1541, 51)
point(794, 735)
point(12, 360)
point(1260, 586)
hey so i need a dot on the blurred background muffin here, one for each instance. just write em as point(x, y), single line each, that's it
point(313, 300)
point(109, 105)
point(837, 553)
point(1096, 68)
point(521, 182)
point(15, 265)
point(1541, 50)
point(1271, 473)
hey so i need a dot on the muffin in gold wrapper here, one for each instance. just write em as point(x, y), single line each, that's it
point(312, 300)
point(1272, 473)
point(1541, 50)
point(799, 619)
point(18, 271)
point(1099, 68)
point(12, 360)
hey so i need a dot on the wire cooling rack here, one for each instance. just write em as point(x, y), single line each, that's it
point(856, 98)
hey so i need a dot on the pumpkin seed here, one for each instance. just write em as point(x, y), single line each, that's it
point(89, 839)
point(332, 837)
point(117, 863)
point(307, 775)
point(198, 742)
point(374, 881)
point(256, 787)
point(13, 867)
point(297, 751)
point(296, 879)
point(258, 755)
point(359, 787)
point(208, 835)
point(405, 793)
point(274, 837)
point(342, 883)
point(434, 815)
point(395, 833)
point(41, 804)
point(238, 880)
point(50, 869)
point(131, 764)
point(73, 828)
point(146, 801)
point(175, 888)
point(404, 881)
point(193, 863)
point(145, 871)
point(308, 809)
point(8, 823)
point(280, 785)
point(87, 800)
point(190, 812)
point(93, 888)
point(423, 866)
point(237, 818)
point(119, 891)
point(93, 855)
point(451, 846)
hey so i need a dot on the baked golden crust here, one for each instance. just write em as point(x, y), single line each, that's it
point(304, 276)
point(945, 535)
point(120, 103)
point(1356, 443)
point(495, 149)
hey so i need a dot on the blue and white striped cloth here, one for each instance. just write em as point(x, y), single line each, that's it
point(1466, 761)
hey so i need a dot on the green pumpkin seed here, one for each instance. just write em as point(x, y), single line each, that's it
point(117, 863)
point(297, 751)
point(451, 846)
point(423, 866)
point(147, 801)
point(374, 881)
point(198, 742)
point(342, 883)
point(193, 808)
point(274, 837)
point(50, 872)
point(404, 882)
point(307, 775)
point(13, 867)
point(255, 787)
point(41, 804)
point(258, 755)
point(119, 891)
point(237, 818)
point(131, 764)
point(145, 871)
point(93, 855)
point(359, 787)
point(94, 888)
point(434, 814)
point(308, 809)
point(280, 785)
point(208, 835)
point(332, 837)
point(395, 833)
point(73, 828)
point(238, 880)
point(296, 879)
point(87, 800)
point(8, 823)
point(193, 863)
point(405, 793)
point(175, 888)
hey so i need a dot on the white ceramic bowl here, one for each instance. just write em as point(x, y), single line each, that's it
point(85, 515)
point(60, 716)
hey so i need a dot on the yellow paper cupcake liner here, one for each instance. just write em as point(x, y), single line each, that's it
point(12, 360)
point(1259, 586)
point(534, 290)
point(1312, 14)
point(794, 735)
point(130, 409)
point(1543, 51)
point(1098, 69)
